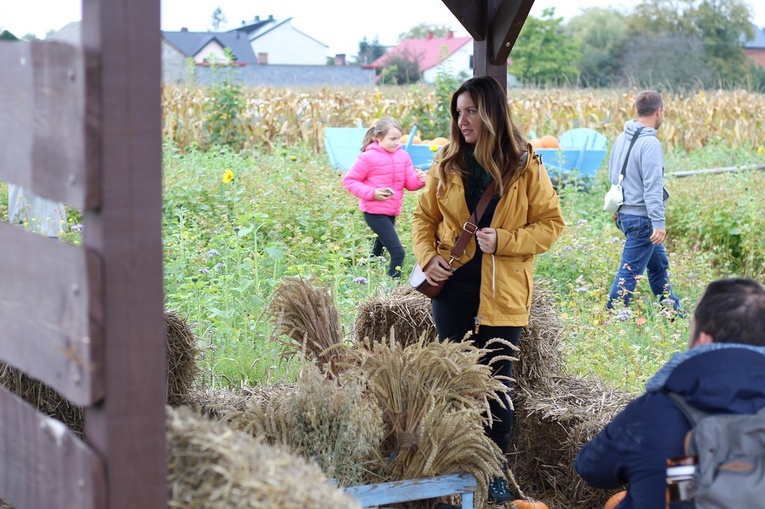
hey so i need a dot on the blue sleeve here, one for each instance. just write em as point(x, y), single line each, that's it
point(633, 449)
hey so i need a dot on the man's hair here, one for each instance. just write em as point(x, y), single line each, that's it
point(732, 311)
point(647, 102)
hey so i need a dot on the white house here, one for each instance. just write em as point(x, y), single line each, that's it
point(262, 42)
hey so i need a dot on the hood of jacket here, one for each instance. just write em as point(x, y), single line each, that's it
point(718, 377)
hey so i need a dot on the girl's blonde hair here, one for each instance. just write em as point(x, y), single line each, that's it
point(500, 145)
point(380, 128)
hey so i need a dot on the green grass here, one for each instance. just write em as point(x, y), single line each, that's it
point(285, 213)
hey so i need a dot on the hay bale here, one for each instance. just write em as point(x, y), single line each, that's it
point(540, 353)
point(552, 423)
point(182, 352)
point(182, 371)
point(555, 414)
point(43, 398)
point(405, 311)
point(212, 466)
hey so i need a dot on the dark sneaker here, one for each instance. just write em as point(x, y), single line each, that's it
point(498, 491)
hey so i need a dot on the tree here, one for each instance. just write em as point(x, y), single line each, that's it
point(401, 69)
point(369, 52)
point(422, 30)
point(218, 18)
point(667, 59)
point(721, 27)
point(600, 34)
point(543, 54)
point(724, 25)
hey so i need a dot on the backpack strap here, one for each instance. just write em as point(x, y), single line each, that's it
point(693, 414)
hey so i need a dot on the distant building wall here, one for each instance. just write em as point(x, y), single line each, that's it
point(756, 55)
point(174, 64)
point(286, 45)
point(458, 64)
point(289, 75)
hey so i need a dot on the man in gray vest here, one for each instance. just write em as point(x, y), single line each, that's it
point(641, 216)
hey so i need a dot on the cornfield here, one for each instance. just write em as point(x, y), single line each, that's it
point(272, 117)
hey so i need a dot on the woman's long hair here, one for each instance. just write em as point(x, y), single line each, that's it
point(500, 144)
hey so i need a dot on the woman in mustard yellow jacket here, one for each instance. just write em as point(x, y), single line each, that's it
point(487, 291)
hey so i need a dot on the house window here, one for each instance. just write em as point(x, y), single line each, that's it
point(262, 58)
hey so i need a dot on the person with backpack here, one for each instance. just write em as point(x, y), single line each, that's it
point(722, 372)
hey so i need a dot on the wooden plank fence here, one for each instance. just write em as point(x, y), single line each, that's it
point(81, 124)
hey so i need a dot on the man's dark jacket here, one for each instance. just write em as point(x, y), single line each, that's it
point(634, 447)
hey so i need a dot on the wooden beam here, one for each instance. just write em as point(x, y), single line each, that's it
point(128, 427)
point(43, 463)
point(471, 14)
point(50, 311)
point(48, 124)
point(506, 24)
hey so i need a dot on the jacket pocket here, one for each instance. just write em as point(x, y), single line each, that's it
point(515, 282)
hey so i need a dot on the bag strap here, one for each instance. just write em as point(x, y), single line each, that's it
point(627, 157)
point(471, 225)
point(693, 414)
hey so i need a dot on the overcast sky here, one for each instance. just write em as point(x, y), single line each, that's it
point(324, 20)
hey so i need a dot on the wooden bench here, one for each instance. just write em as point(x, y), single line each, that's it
point(416, 489)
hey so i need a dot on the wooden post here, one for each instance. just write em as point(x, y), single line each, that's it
point(494, 26)
point(128, 426)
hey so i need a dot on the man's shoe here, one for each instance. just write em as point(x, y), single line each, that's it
point(498, 491)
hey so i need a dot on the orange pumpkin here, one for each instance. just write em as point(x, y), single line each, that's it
point(440, 140)
point(529, 504)
point(549, 141)
point(536, 143)
point(614, 500)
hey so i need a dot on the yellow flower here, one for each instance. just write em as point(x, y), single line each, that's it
point(434, 148)
point(228, 176)
point(293, 158)
point(761, 150)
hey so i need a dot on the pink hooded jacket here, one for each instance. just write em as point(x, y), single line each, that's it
point(376, 168)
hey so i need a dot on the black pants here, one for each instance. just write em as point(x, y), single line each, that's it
point(454, 317)
point(385, 228)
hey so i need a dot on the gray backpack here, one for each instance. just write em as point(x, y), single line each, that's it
point(731, 452)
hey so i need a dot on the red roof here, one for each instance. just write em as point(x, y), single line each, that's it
point(428, 52)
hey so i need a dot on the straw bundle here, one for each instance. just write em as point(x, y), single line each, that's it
point(304, 311)
point(336, 425)
point(405, 311)
point(212, 466)
point(434, 398)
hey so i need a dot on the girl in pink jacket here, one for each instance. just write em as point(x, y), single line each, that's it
point(378, 177)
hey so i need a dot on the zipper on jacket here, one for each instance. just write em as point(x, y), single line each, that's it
point(477, 325)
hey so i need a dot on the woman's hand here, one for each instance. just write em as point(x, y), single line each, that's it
point(383, 193)
point(487, 240)
point(437, 270)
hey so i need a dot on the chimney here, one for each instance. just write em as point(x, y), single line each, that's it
point(449, 34)
point(257, 18)
point(184, 29)
point(270, 17)
point(340, 59)
point(262, 58)
point(430, 35)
